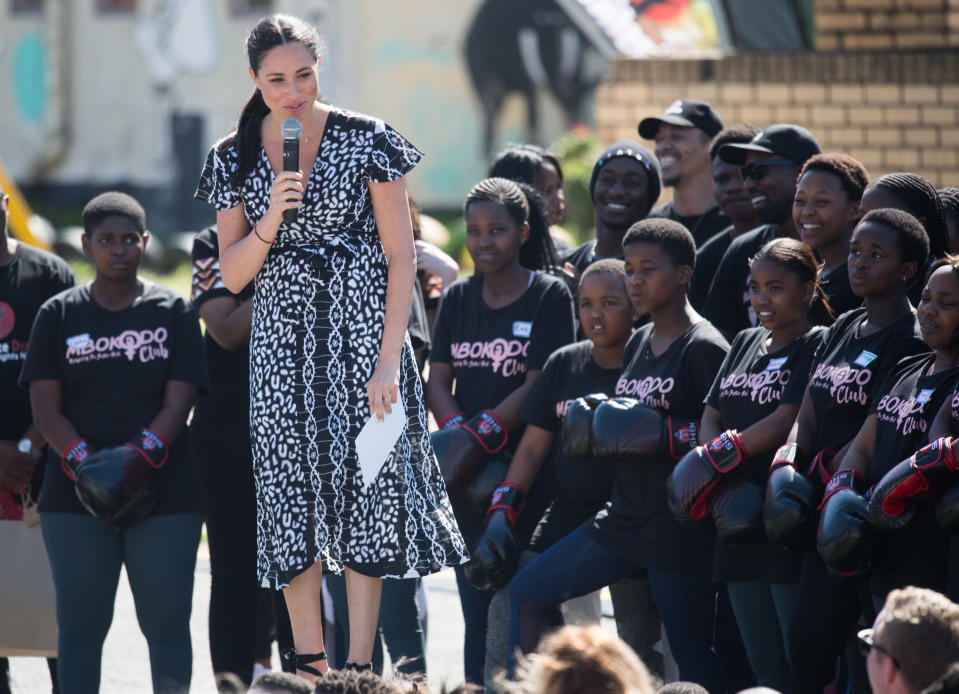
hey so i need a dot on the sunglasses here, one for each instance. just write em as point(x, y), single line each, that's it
point(758, 170)
point(866, 644)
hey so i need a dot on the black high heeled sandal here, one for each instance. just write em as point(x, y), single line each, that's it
point(301, 661)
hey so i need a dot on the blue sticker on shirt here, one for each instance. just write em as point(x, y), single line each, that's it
point(865, 358)
point(776, 364)
point(522, 328)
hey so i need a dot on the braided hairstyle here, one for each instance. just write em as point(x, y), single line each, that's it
point(920, 199)
point(796, 257)
point(523, 204)
point(270, 32)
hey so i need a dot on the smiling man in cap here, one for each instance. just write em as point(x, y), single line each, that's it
point(770, 162)
point(682, 135)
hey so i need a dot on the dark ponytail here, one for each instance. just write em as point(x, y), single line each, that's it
point(796, 257)
point(537, 253)
point(269, 32)
point(921, 200)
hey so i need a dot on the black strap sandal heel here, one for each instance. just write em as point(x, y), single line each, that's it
point(301, 661)
point(356, 667)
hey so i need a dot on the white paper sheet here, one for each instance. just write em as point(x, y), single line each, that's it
point(376, 439)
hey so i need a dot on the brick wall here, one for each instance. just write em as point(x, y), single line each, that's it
point(892, 111)
point(853, 25)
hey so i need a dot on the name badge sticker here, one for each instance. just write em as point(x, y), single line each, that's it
point(865, 358)
point(78, 341)
point(924, 396)
point(522, 328)
point(776, 364)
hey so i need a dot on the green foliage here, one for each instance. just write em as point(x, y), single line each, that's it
point(577, 151)
point(179, 279)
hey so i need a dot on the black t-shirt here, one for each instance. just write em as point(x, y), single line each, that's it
point(490, 350)
point(750, 385)
point(582, 487)
point(909, 401)
point(727, 303)
point(836, 286)
point(848, 370)
point(114, 367)
point(636, 524)
point(702, 226)
point(229, 369)
point(584, 255)
point(910, 398)
point(708, 257)
point(31, 277)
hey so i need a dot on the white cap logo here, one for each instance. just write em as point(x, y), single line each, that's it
point(675, 108)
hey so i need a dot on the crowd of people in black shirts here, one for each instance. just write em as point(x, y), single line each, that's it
point(735, 410)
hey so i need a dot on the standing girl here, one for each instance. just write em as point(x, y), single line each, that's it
point(825, 211)
point(114, 366)
point(887, 251)
point(493, 335)
point(331, 248)
point(752, 404)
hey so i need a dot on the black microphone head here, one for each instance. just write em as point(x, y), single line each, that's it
point(291, 129)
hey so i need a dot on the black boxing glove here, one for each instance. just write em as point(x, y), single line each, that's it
point(846, 538)
point(459, 455)
point(480, 491)
point(150, 446)
point(578, 426)
point(488, 429)
point(134, 510)
point(695, 477)
point(495, 556)
point(623, 428)
point(109, 479)
point(737, 510)
point(947, 509)
point(789, 506)
point(74, 454)
point(898, 494)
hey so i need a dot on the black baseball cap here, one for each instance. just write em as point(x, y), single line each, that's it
point(686, 113)
point(792, 142)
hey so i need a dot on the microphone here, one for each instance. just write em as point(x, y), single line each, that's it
point(291, 130)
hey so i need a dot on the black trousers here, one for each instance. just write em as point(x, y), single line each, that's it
point(221, 449)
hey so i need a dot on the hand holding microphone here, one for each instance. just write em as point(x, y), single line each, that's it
point(287, 190)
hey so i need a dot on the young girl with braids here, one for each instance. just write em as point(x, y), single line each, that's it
point(752, 404)
point(825, 211)
point(493, 335)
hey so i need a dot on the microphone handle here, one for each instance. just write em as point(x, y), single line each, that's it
point(291, 162)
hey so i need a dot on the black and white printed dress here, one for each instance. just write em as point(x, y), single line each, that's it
point(318, 313)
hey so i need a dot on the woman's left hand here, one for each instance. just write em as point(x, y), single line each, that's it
point(383, 388)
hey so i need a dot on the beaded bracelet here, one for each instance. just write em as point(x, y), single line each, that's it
point(268, 243)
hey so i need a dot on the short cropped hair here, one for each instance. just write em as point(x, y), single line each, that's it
point(736, 134)
point(606, 266)
point(113, 203)
point(682, 687)
point(671, 236)
point(852, 175)
point(920, 629)
point(354, 682)
point(912, 237)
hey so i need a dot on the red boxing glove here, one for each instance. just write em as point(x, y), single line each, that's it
point(488, 430)
point(74, 454)
point(151, 446)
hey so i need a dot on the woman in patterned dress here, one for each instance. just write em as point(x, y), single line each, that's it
point(328, 348)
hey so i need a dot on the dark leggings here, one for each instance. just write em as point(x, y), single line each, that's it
point(86, 556)
point(826, 614)
point(221, 448)
point(577, 565)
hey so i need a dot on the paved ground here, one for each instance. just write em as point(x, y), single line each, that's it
point(126, 667)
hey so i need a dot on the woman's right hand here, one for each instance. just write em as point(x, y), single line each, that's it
point(286, 193)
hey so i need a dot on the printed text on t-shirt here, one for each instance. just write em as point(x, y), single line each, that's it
point(505, 357)
point(763, 387)
point(905, 412)
point(650, 391)
point(145, 345)
point(846, 384)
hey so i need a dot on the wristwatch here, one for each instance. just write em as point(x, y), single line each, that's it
point(25, 446)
